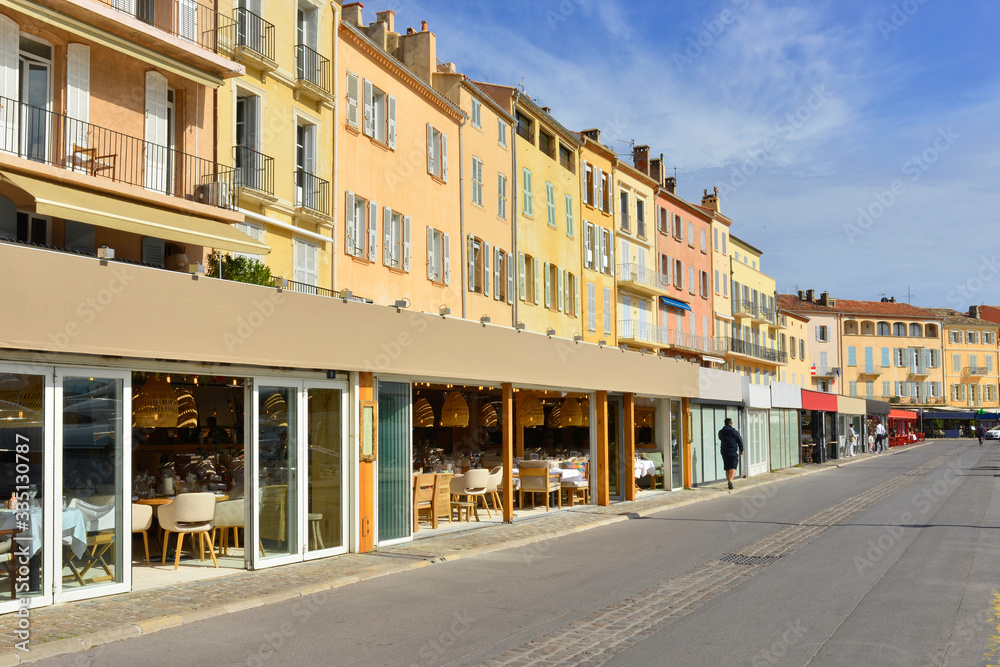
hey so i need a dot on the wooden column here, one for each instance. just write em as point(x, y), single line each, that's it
point(627, 465)
point(366, 478)
point(601, 431)
point(686, 440)
point(508, 453)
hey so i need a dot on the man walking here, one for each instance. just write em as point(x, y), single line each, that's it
point(879, 437)
point(731, 447)
point(980, 433)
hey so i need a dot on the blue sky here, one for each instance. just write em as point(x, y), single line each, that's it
point(854, 142)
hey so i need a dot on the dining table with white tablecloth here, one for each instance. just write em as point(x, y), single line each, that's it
point(74, 529)
point(644, 467)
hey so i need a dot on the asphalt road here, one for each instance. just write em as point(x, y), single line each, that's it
point(889, 561)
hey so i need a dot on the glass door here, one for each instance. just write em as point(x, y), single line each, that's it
point(616, 467)
point(756, 441)
point(325, 475)
point(274, 473)
point(25, 455)
point(676, 447)
point(394, 462)
point(93, 449)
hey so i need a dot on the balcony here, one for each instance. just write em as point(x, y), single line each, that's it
point(747, 349)
point(183, 31)
point(976, 370)
point(254, 40)
point(312, 194)
point(687, 341)
point(302, 288)
point(781, 321)
point(525, 132)
point(919, 371)
point(312, 74)
point(640, 279)
point(869, 370)
point(826, 371)
point(254, 172)
point(83, 148)
point(764, 315)
point(641, 334)
point(743, 309)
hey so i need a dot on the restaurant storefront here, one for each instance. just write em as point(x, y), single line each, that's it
point(786, 402)
point(850, 414)
point(902, 428)
point(819, 424)
point(877, 411)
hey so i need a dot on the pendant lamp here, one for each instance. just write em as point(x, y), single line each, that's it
point(572, 414)
point(276, 410)
point(488, 415)
point(156, 405)
point(529, 410)
point(423, 414)
point(187, 409)
point(455, 411)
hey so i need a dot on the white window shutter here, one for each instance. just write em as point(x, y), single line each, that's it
point(352, 99)
point(372, 230)
point(430, 253)
point(588, 253)
point(77, 95)
point(187, 20)
point(9, 63)
point(350, 225)
point(599, 180)
point(390, 115)
point(611, 255)
point(583, 175)
point(611, 195)
point(369, 120)
point(430, 148)
point(444, 157)
point(564, 291)
point(446, 252)
point(497, 275)
point(603, 250)
point(535, 266)
point(548, 286)
point(470, 259)
point(156, 132)
point(406, 243)
point(510, 277)
point(521, 277)
point(486, 269)
point(387, 236)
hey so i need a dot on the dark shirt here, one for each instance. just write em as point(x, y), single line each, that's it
point(731, 440)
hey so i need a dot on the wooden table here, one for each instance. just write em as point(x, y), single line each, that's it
point(162, 500)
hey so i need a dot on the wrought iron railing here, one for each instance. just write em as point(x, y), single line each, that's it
point(254, 33)
point(869, 369)
point(302, 288)
point(636, 273)
point(253, 170)
point(689, 341)
point(525, 132)
point(60, 141)
point(187, 19)
point(975, 370)
point(312, 192)
point(312, 67)
point(638, 330)
point(758, 351)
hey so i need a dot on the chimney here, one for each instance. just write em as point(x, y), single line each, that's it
point(974, 311)
point(892, 299)
point(712, 200)
point(802, 295)
point(670, 185)
point(809, 295)
point(418, 51)
point(656, 170)
point(824, 299)
point(593, 134)
point(389, 18)
point(640, 158)
point(547, 110)
point(352, 14)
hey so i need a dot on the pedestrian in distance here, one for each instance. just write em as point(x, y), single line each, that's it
point(731, 447)
point(852, 440)
point(879, 437)
point(980, 433)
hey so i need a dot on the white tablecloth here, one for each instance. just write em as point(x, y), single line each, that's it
point(74, 531)
point(644, 467)
point(565, 474)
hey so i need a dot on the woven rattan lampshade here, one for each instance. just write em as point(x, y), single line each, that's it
point(187, 409)
point(276, 410)
point(423, 414)
point(21, 400)
point(585, 410)
point(487, 415)
point(572, 414)
point(645, 417)
point(455, 411)
point(529, 410)
point(555, 417)
point(155, 406)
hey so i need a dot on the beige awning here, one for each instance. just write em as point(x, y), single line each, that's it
point(69, 203)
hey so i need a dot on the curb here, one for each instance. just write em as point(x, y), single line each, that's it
point(10, 657)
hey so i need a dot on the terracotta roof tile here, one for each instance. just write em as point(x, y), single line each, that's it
point(850, 307)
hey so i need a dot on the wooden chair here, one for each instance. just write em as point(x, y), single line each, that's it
point(424, 496)
point(661, 472)
point(442, 497)
point(578, 489)
point(538, 479)
point(88, 159)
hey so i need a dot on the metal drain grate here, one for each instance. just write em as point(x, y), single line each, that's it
point(740, 559)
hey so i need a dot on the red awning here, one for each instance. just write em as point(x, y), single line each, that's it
point(818, 400)
point(902, 414)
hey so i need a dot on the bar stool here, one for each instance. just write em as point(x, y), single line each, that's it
point(314, 533)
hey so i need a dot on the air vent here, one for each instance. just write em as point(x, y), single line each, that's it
point(740, 559)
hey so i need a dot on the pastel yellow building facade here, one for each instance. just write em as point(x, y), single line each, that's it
point(598, 228)
point(754, 345)
point(636, 272)
point(276, 127)
point(792, 338)
point(969, 360)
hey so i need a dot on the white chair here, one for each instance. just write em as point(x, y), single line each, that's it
point(493, 488)
point(476, 483)
point(229, 514)
point(189, 513)
point(142, 520)
point(537, 477)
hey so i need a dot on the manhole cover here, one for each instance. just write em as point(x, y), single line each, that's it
point(740, 559)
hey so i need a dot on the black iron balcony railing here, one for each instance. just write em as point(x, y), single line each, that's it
point(302, 288)
point(975, 370)
point(253, 170)
point(525, 132)
point(312, 192)
point(312, 67)
point(187, 19)
point(254, 33)
point(757, 351)
point(60, 141)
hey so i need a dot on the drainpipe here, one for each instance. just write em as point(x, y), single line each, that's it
point(513, 208)
point(336, 144)
point(463, 244)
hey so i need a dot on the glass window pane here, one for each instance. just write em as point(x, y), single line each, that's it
point(277, 428)
point(326, 489)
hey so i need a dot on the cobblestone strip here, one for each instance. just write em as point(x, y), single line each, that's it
point(596, 638)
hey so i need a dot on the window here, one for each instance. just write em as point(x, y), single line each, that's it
point(477, 181)
point(588, 245)
point(822, 333)
point(250, 167)
point(566, 158)
point(916, 331)
point(791, 347)
point(477, 114)
point(361, 228)
point(898, 329)
point(678, 274)
point(802, 344)
point(716, 281)
point(501, 196)
point(478, 256)
point(502, 133)
point(547, 144)
point(396, 239)
point(437, 153)
point(853, 388)
point(665, 264)
point(725, 287)
point(305, 262)
point(662, 222)
point(591, 307)
point(307, 191)
point(640, 217)
point(607, 311)
point(503, 276)
point(588, 174)
point(550, 202)
point(955, 336)
point(723, 243)
point(933, 360)
point(625, 210)
point(525, 127)
point(691, 284)
point(691, 234)
point(607, 196)
point(852, 356)
point(438, 256)
point(528, 277)
point(569, 215)
point(886, 362)
point(972, 337)
point(526, 197)
point(607, 252)
point(883, 329)
point(569, 289)
point(27, 228)
point(678, 227)
point(715, 240)
point(989, 338)
point(379, 113)
point(704, 284)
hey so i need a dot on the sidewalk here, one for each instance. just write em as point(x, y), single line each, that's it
point(78, 626)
